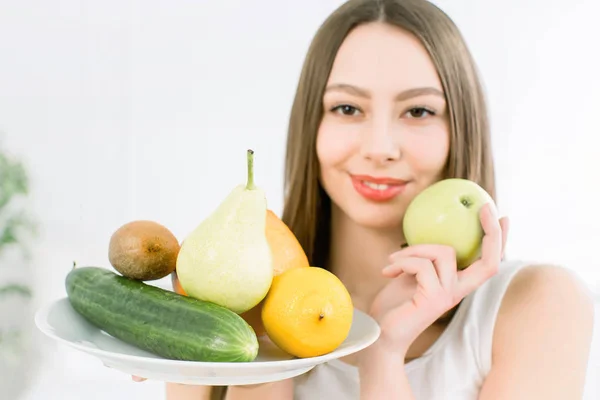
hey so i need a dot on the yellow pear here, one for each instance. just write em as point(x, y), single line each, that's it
point(227, 259)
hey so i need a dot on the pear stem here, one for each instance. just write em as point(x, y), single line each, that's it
point(250, 183)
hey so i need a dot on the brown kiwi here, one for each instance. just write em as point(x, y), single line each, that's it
point(143, 250)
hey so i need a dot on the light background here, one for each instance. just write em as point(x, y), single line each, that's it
point(144, 109)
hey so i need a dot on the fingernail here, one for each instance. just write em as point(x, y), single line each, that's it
point(387, 268)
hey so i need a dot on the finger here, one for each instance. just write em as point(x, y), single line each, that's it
point(491, 251)
point(396, 268)
point(491, 246)
point(137, 378)
point(424, 272)
point(504, 226)
point(442, 257)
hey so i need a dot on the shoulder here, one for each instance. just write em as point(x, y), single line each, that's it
point(543, 332)
point(549, 294)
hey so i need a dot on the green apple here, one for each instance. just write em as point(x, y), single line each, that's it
point(447, 213)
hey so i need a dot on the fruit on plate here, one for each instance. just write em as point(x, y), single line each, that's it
point(447, 213)
point(286, 251)
point(308, 312)
point(160, 321)
point(227, 260)
point(176, 284)
point(287, 254)
point(143, 250)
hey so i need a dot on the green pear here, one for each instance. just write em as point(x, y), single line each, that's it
point(447, 213)
point(227, 259)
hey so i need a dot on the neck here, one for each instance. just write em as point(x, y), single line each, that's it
point(358, 254)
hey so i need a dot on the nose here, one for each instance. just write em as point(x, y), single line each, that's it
point(379, 144)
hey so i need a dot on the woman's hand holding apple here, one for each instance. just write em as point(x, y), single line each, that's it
point(440, 285)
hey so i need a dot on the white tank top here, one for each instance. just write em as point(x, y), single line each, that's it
point(454, 367)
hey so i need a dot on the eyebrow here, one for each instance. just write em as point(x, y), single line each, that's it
point(402, 96)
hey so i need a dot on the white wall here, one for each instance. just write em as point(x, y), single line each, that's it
point(144, 109)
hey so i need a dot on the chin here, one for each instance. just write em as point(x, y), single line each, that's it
point(377, 216)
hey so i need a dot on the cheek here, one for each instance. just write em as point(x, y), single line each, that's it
point(335, 145)
point(428, 154)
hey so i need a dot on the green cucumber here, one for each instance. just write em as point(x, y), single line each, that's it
point(160, 321)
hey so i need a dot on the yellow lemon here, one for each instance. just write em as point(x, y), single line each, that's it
point(307, 312)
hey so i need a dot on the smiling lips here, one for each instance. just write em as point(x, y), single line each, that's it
point(377, 189)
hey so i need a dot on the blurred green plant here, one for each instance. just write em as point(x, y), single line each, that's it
point(17, 234)
point(16, 226)
point(17, 230)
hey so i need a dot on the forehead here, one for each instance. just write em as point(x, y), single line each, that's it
point(379, 56)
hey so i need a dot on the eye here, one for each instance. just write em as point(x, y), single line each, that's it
point(419, 112)
point(346, 109)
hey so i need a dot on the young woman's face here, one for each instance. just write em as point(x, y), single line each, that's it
point(384, 136)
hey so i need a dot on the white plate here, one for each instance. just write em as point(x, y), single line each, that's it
point(61, 322)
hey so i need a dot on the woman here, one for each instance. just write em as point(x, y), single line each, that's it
point(388, 103)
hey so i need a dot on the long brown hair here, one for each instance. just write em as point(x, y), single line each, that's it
point(307, 208)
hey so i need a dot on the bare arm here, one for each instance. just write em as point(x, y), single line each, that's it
point(382, 376)
point(542, 338)
point(176, 391)
point(282, 390)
